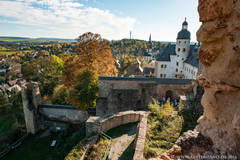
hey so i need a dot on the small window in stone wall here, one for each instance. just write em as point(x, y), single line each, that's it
point(179, 42)
point(179, 49)
point(176, 70)
point(177, 63)
point(185, 42)
point(184, 49)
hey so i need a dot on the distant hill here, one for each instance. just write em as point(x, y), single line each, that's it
point(54, 39)
point(25, 39)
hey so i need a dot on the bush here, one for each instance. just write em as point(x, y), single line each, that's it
point(164, 128)
point(161, 110)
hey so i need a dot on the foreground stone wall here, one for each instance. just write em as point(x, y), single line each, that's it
point(220, 56)
point(117, 94)
point(217, 135)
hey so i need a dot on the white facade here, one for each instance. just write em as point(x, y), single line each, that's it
point(180, 64)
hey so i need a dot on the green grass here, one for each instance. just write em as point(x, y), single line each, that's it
point(120, 130)
point(35, 148)
point(7, 124)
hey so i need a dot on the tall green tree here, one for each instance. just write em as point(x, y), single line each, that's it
point(85, 90)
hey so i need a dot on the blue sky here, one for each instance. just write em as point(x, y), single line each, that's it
point(113, 19)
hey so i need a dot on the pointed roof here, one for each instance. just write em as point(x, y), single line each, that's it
point(150, 38)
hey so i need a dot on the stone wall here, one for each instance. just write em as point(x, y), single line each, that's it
point(39, 116)
point(103, 124)
point(118, 94)
point(31, 98)
point(218, 132)
point(140, 139)
point(220, 56)
point(72, 116)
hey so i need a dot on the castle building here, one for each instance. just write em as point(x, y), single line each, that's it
point(178, 60)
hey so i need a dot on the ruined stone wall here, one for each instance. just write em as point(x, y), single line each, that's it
point(73, 116)
point(220, 56)
point(118, 94)
point(31, 98)
point(38, 116)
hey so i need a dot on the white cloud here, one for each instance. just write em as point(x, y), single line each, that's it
point(65, 18)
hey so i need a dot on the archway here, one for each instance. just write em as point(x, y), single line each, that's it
point(169, 95)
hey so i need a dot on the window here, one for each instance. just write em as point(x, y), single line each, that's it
point(183, 59)
point(161, 66)
point(184, 49)
point(177, 63)
point(179, 42)
point(179, 49)
point(165, 66)
point(185, 42)
point(175, 76)
point(176, 70)
point(177, 55)
point(161, 75)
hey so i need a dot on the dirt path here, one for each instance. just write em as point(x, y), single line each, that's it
point(120, 144)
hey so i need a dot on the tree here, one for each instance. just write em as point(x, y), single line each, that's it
point(92, 53)
point(85, 91)
point(61, 95)
point(125, 62)
point(45, 70)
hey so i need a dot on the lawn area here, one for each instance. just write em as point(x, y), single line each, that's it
point(7, 124)
point(32, 149)
point(35, 148)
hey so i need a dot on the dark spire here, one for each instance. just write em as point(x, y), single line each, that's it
point(150, 38)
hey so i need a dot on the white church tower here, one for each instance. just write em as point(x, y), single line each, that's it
point(182, 46)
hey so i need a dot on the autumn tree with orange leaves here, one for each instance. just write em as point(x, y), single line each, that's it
point(93, 53)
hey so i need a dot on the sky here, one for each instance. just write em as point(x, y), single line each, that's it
point(113, 19)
